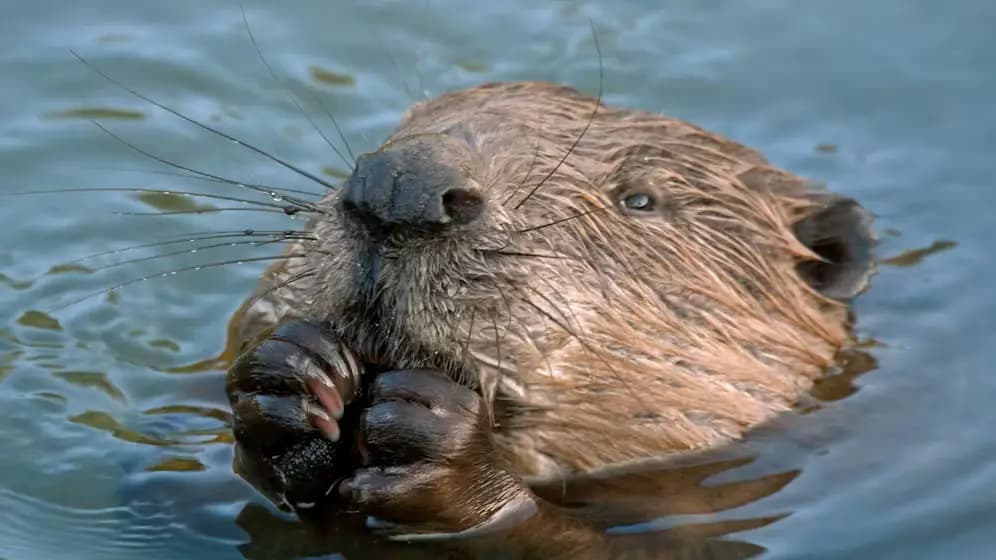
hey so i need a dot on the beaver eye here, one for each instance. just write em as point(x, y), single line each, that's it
point(638, 201)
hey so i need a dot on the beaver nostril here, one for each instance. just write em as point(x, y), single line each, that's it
point(462, 206)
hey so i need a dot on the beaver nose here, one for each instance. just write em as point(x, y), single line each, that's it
point(411, 188)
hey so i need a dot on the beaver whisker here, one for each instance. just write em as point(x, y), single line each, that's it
point(307, 273)
point(455, 324)
point(192, 238)
point(521, 254)
point(508, 307)
point(584, 344)
point(587, 126)
point(554, 290)
point(490, 388)
point(200, 178)
point(188, 194)
point(294, 98)
point(289, 210)
point(269, 191)
point(203, 126)
point(199, 249)
point(551, 318)
point(529, 170)
point(175, 272)
point(562, 220)
point(466, 343)
point(338, 130)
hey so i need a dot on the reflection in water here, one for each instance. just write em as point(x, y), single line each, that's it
point(7, 364)
point(15, 284)
point(172, 202)
point(914, 256)
point(93, 379)
point(335, 173)
point(620, 501)
point(39, 320)
point(219, 423)
point(105, 422)
point(177, 464)
point(91, 113)
point(164, 343)
point(851, 363)
point(653, 489)
point(210, 364)
point(224, 416)
point(68, 268)
point(273, 536)
point(329, 77)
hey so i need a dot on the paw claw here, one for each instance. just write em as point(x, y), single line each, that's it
point(327, 395)
point(321, 421)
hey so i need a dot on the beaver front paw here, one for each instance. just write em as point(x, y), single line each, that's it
point(288, 396)
point(429, 463)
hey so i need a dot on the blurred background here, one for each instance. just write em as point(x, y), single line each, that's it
point(114, 439)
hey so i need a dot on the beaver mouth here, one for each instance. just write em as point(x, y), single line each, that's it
point(369, 266)
point(382, 270)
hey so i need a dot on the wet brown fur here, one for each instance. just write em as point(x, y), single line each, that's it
point(603, 337)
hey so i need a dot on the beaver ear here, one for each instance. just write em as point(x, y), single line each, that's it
point(840, 231)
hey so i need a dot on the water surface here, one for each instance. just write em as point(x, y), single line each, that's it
point(115, 447)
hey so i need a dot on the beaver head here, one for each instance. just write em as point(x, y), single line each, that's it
point(615, 282)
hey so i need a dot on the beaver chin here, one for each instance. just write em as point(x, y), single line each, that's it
point(404, 309)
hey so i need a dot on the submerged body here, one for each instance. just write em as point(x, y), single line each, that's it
point(654, 288)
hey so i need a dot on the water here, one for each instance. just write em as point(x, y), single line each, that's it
point(114, 437)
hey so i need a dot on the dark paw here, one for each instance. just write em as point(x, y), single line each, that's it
point(428, 459)
point(288, 396)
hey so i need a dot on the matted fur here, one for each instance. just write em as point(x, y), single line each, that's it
point(603, 336)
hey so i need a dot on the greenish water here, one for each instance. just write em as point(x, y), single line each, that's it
point(113, 448)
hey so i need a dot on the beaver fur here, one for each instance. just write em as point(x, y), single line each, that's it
point(621, 284)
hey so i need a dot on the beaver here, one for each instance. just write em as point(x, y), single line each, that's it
point(523, 283)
